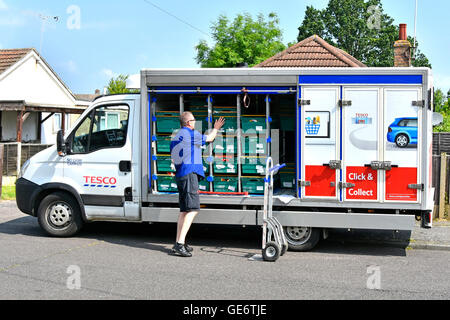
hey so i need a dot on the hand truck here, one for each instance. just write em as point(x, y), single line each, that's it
point(274, 243)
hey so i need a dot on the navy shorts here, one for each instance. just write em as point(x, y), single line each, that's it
point(189, 198)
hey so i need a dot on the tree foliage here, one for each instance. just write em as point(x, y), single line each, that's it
point(119, 85)
point(359, 27)
point(242, 40)
point(442, 105)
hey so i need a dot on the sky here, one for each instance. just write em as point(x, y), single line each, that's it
point(91, 41)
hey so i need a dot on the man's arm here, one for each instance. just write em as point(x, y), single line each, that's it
point(217, 125)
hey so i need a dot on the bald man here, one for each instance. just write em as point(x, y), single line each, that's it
point(186, 153)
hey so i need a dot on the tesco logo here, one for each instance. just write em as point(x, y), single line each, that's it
point(100, 180)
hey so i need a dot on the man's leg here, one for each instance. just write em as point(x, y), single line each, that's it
point(184, 224)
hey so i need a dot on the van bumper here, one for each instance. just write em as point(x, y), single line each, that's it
point(26, 192)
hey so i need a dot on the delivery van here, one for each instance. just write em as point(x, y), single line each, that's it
point(332, 127)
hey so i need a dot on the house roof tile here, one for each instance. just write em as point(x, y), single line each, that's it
point(311, 52)
point(8, 57)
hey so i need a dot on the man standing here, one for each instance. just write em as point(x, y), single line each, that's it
point(186, 154)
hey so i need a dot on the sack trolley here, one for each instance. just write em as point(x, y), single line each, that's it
point(274, 243)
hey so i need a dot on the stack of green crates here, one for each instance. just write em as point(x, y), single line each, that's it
point(225, 151)
point(167, 123)
point(254, 153)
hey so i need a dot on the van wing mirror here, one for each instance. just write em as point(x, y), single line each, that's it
point(60, 144)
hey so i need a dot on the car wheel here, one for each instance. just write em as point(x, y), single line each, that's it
point(59, 215)
point(401, 140)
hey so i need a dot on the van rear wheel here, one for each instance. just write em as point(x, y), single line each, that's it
point(302, 238)
point(59, 215)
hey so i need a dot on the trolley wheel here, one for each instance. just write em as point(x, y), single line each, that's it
point(271, 252)
point(284, 248)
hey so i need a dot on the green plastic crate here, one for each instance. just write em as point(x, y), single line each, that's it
point(167, 121)
point(203, 185)
point(225, 184)
point(164, 164)
point(225, 165)
point(254, 185)
point(230, 125)
point(287, 180)
point(254, 145)
point(166, 184)
point(253, 166)
point(253, 124)
point(225, 145)
point(163, 144)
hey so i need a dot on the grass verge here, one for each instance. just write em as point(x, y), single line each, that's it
point(8, 192)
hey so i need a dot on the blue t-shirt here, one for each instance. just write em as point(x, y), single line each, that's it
point(186, 152)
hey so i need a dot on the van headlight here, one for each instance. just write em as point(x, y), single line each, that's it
point(23, 169)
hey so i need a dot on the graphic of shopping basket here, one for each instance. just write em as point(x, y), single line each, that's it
point(312, 129)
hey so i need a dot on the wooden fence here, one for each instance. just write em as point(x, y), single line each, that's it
point(11, 165)
point(441, 142)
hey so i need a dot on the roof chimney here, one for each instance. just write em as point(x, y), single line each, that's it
point(402, 49)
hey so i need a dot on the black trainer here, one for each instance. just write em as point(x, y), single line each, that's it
point(188, 248)
point(181, 250)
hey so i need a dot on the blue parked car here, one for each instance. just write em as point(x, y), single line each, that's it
point(403, 131)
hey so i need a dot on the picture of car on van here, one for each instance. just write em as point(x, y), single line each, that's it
point(403, 132)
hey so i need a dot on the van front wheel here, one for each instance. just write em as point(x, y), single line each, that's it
point(59, 215)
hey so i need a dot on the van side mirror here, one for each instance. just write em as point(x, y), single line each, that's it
point(60, 144)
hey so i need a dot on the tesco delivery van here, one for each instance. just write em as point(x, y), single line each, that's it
point(357, 144)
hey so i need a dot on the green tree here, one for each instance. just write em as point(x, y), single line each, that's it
point(242, 40)
point(439, 101)
point(119, 85)
point(442, 105)
point(359, 27)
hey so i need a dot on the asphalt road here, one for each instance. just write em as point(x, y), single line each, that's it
point(132, 261)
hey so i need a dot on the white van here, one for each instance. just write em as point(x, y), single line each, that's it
point(334, 126)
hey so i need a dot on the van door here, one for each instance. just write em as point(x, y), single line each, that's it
point(320, 137)
point(402, 147)
point(99, 159)
point(361, 144)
